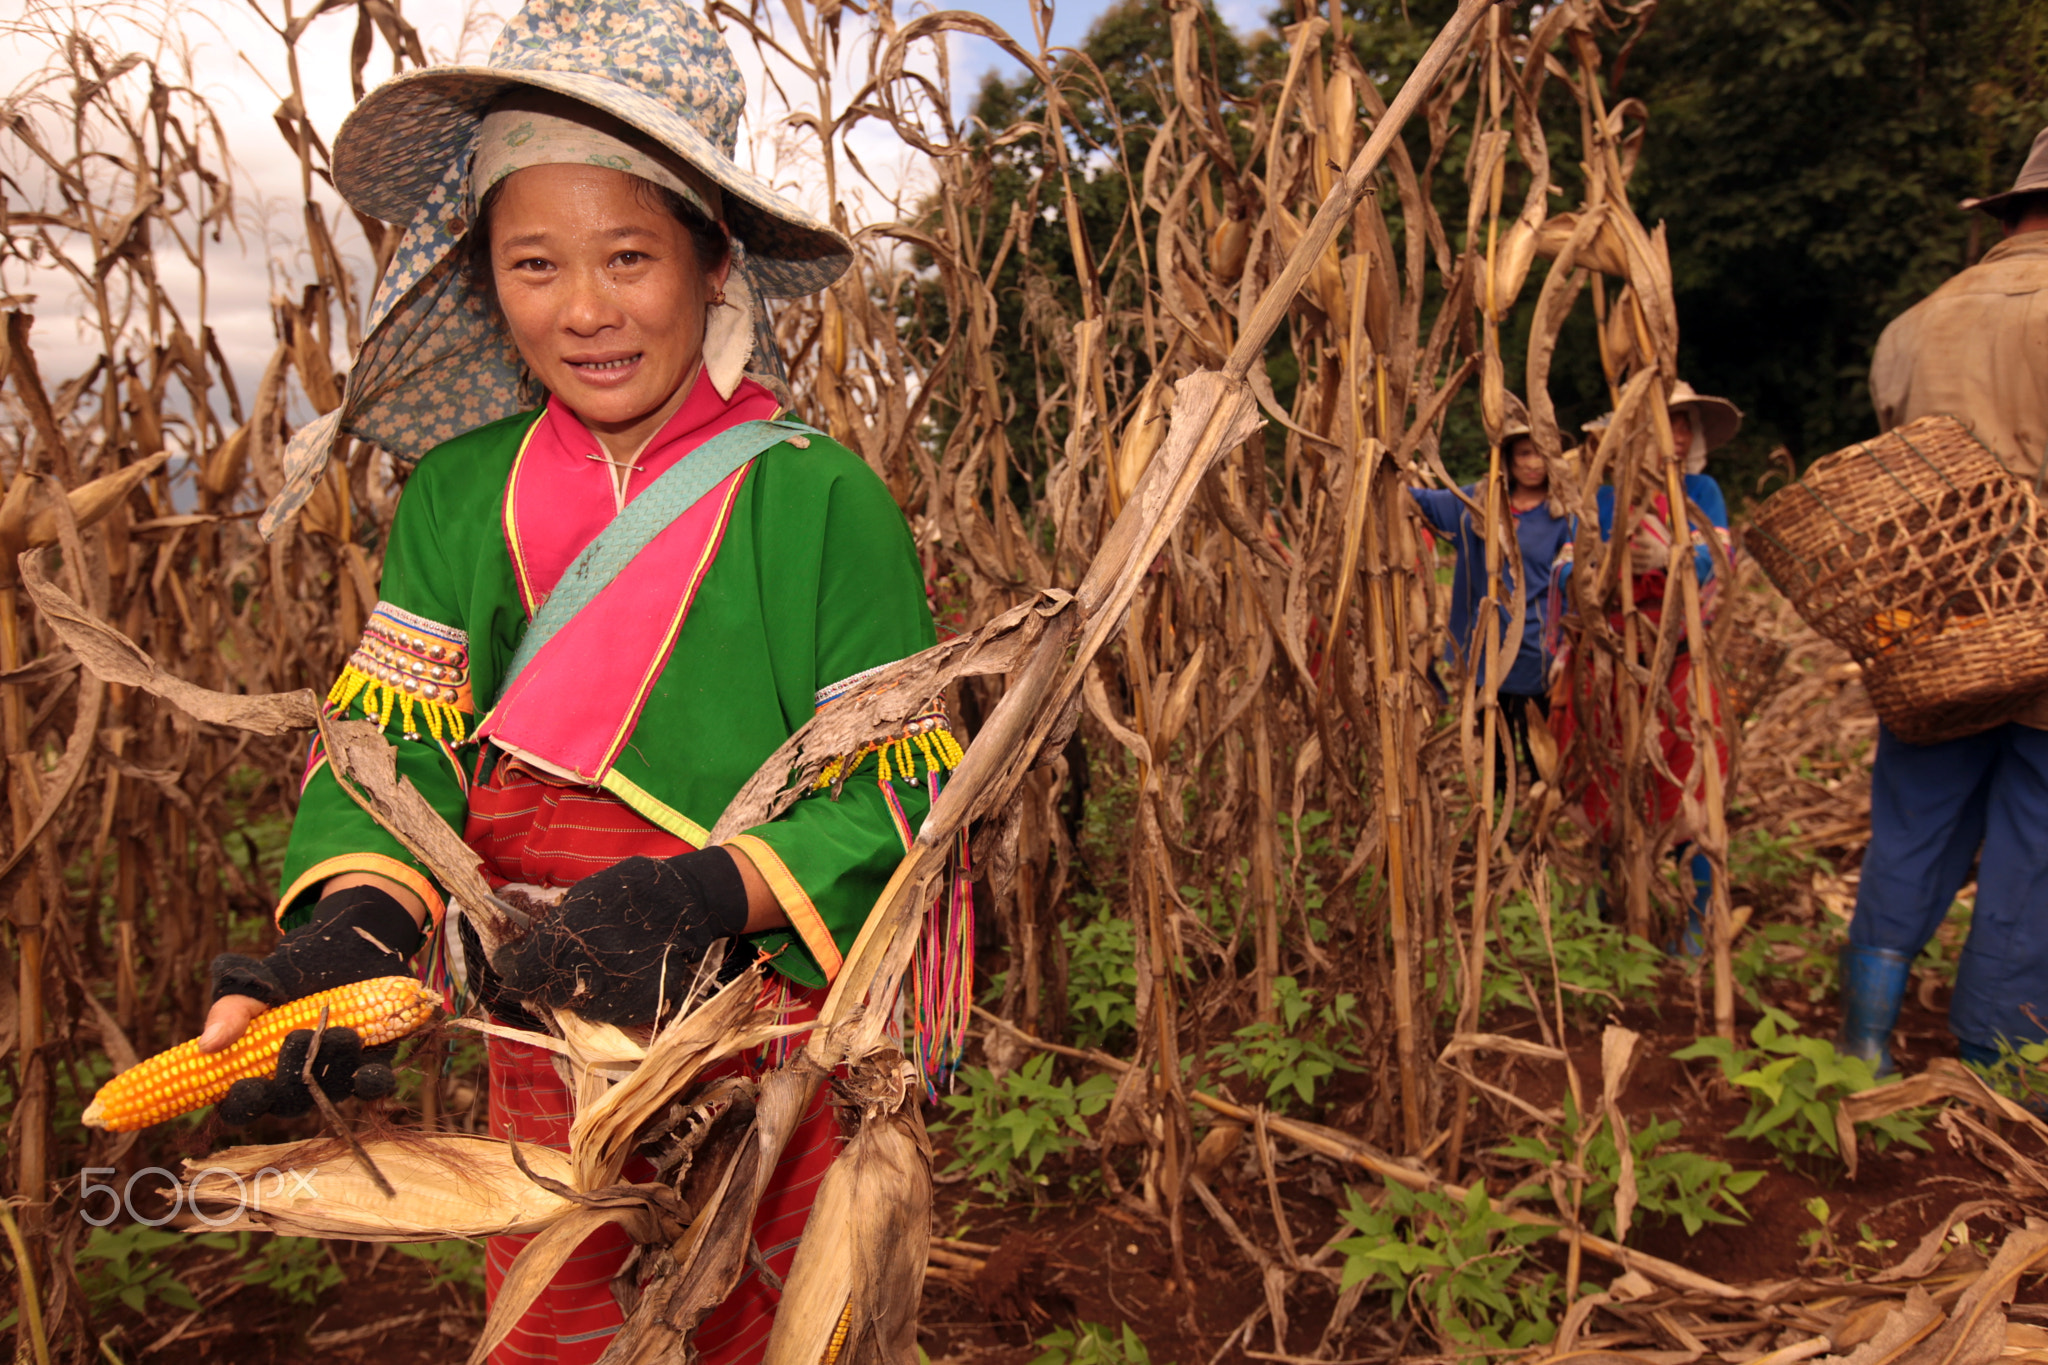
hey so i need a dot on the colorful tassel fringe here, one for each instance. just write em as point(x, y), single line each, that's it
point(408, 666)
point(942, 973)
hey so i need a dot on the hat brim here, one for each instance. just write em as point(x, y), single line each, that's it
point(1719, 418)
point(1992, 203)
point(394, 148)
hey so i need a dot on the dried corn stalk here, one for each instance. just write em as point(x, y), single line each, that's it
point(1250, 633)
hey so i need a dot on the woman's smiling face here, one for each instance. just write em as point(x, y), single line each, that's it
point(602, 291)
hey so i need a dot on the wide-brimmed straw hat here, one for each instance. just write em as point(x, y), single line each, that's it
point(2032, 179)
point(656, 65)
point(436, 359)
point(1514, 419)
point(1719, 418)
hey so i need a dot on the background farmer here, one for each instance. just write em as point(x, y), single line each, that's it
point(1542, 529)
point(575, 303)
point(1587, 701)
point(1976, 348)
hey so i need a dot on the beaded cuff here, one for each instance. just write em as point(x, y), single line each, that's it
point(411, 668)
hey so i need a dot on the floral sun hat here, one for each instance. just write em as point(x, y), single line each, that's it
point(436, 360)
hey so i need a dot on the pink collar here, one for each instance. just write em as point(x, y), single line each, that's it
point(567, 471)
point(573, 708)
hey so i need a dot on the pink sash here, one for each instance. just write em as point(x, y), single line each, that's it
point(573, 708)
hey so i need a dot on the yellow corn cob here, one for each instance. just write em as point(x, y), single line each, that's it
point(183, 1079)
point(838, 1342)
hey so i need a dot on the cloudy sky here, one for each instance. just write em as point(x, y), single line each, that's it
point(238, 65)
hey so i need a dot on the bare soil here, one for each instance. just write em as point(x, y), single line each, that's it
point(1083, 1255)
point(384, 1312)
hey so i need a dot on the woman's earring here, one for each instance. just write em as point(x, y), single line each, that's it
point(718, 300)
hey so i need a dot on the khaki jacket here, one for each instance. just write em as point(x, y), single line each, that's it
point(1977, 348)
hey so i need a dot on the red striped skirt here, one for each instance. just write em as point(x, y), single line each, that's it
point(1585, 719)
point(534, 831)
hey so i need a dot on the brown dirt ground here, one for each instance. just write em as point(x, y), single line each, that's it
point(1092, 1258)
point(383, 1313)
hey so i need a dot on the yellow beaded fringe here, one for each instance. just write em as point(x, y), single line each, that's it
point(381, 700)
point(896, 755)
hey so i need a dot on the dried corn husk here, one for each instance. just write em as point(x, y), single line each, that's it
point(695, 1275)
point(728, 1023)
point(1604, 252)
point(599, 1046)
point(859, 1272)
point(1142, 437)
point(541, 1259)
point(1228, 246)
point(449, 1185)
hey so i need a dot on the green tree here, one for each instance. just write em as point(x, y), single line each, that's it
point(1807, 156)
point(1113, 93)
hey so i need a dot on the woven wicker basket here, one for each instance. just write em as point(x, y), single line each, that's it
point(1927, 560)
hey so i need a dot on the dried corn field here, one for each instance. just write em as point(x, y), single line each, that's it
point(1151, 369)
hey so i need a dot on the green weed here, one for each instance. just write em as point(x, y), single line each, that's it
point(1294, 1056)
point(1599, 967)
point(1005, 1128)
point(455, 1262)
point(1313, 833)
point(1944, 952)
point(126, 1268)
point(1795, 1086)
point(1761, 860)
point(1462, 1267)
point(1819, 1241)
point(1695, 1189)
point(1091, 1343)
point(1803, 955)
point(1824, 1248)
point(1102, 973)
point(2020, 1073)
point(295, 1269)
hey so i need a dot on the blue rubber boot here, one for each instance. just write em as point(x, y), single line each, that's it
point(1694, 943)
point(1873, 989)
point(1691, 942)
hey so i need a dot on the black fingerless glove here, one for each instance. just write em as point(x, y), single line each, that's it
point(481, 980)
point(343, 1068)
point(629, 938)
point(355, 935)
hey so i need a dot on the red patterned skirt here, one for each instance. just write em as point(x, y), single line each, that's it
point(535, 831)
point(1585, 718)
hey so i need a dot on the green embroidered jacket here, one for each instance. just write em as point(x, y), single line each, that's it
point(817, 580)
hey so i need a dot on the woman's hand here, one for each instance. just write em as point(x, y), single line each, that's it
point(230, 1016)
point(358, 933)
point(628, 938)
point(233, 1012)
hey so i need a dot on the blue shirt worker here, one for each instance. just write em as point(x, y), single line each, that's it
point(1977, 347)
point(1542, 529)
